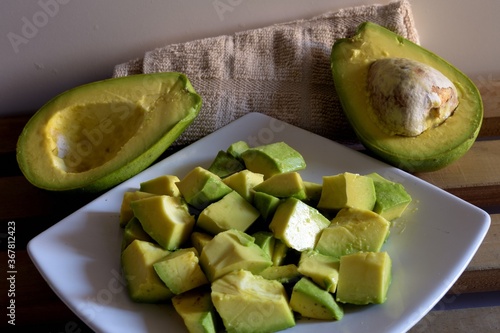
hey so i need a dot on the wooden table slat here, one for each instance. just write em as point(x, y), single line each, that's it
point(482, 319)
point(480, 166)
point(489, 89)
point(488, 254)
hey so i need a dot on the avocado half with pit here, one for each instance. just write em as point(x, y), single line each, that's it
point(407, 105)
point(97, 135)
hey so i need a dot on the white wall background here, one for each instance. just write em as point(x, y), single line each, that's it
point(48, 46)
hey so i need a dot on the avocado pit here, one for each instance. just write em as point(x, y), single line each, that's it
point(409, 97)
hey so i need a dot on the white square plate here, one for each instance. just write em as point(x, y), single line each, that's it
point(430, 245)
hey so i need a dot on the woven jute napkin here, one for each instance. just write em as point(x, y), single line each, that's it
point(281, 70)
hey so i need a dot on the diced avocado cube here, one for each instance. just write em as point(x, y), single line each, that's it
point(280, 252)
point(311, 301)
point(283, 185)
point(250, 303)
point(237, 148)
point(200, 239)
point(272, 159)
point(230, 212)
point(126, 212)
point(266, 204)
point(284, 274)
point(143, 283)
point(364, 278)
point(166, 219)
point(322, 269)
point(232, 250)
point(133, 230)
point(266, 241)
point(347, 190)
point(297, 224)
point(197, 310)
point(243, 182)
point(392, 198)
point(313, 192)
point(162, 185)
point(201, 187)
point(353, 230)
point(225, 164)
point(180, 270)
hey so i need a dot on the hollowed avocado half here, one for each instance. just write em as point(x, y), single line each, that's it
point(433, 149)
point(97, 135)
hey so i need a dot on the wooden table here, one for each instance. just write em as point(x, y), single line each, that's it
point(473, 303)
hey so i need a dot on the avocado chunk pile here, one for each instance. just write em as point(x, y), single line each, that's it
point(229, 245)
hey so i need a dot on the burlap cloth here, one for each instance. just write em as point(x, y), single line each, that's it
point(282, 70)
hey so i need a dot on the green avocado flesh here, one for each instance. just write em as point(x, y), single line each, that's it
point(97, 135)
point(433, 149)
